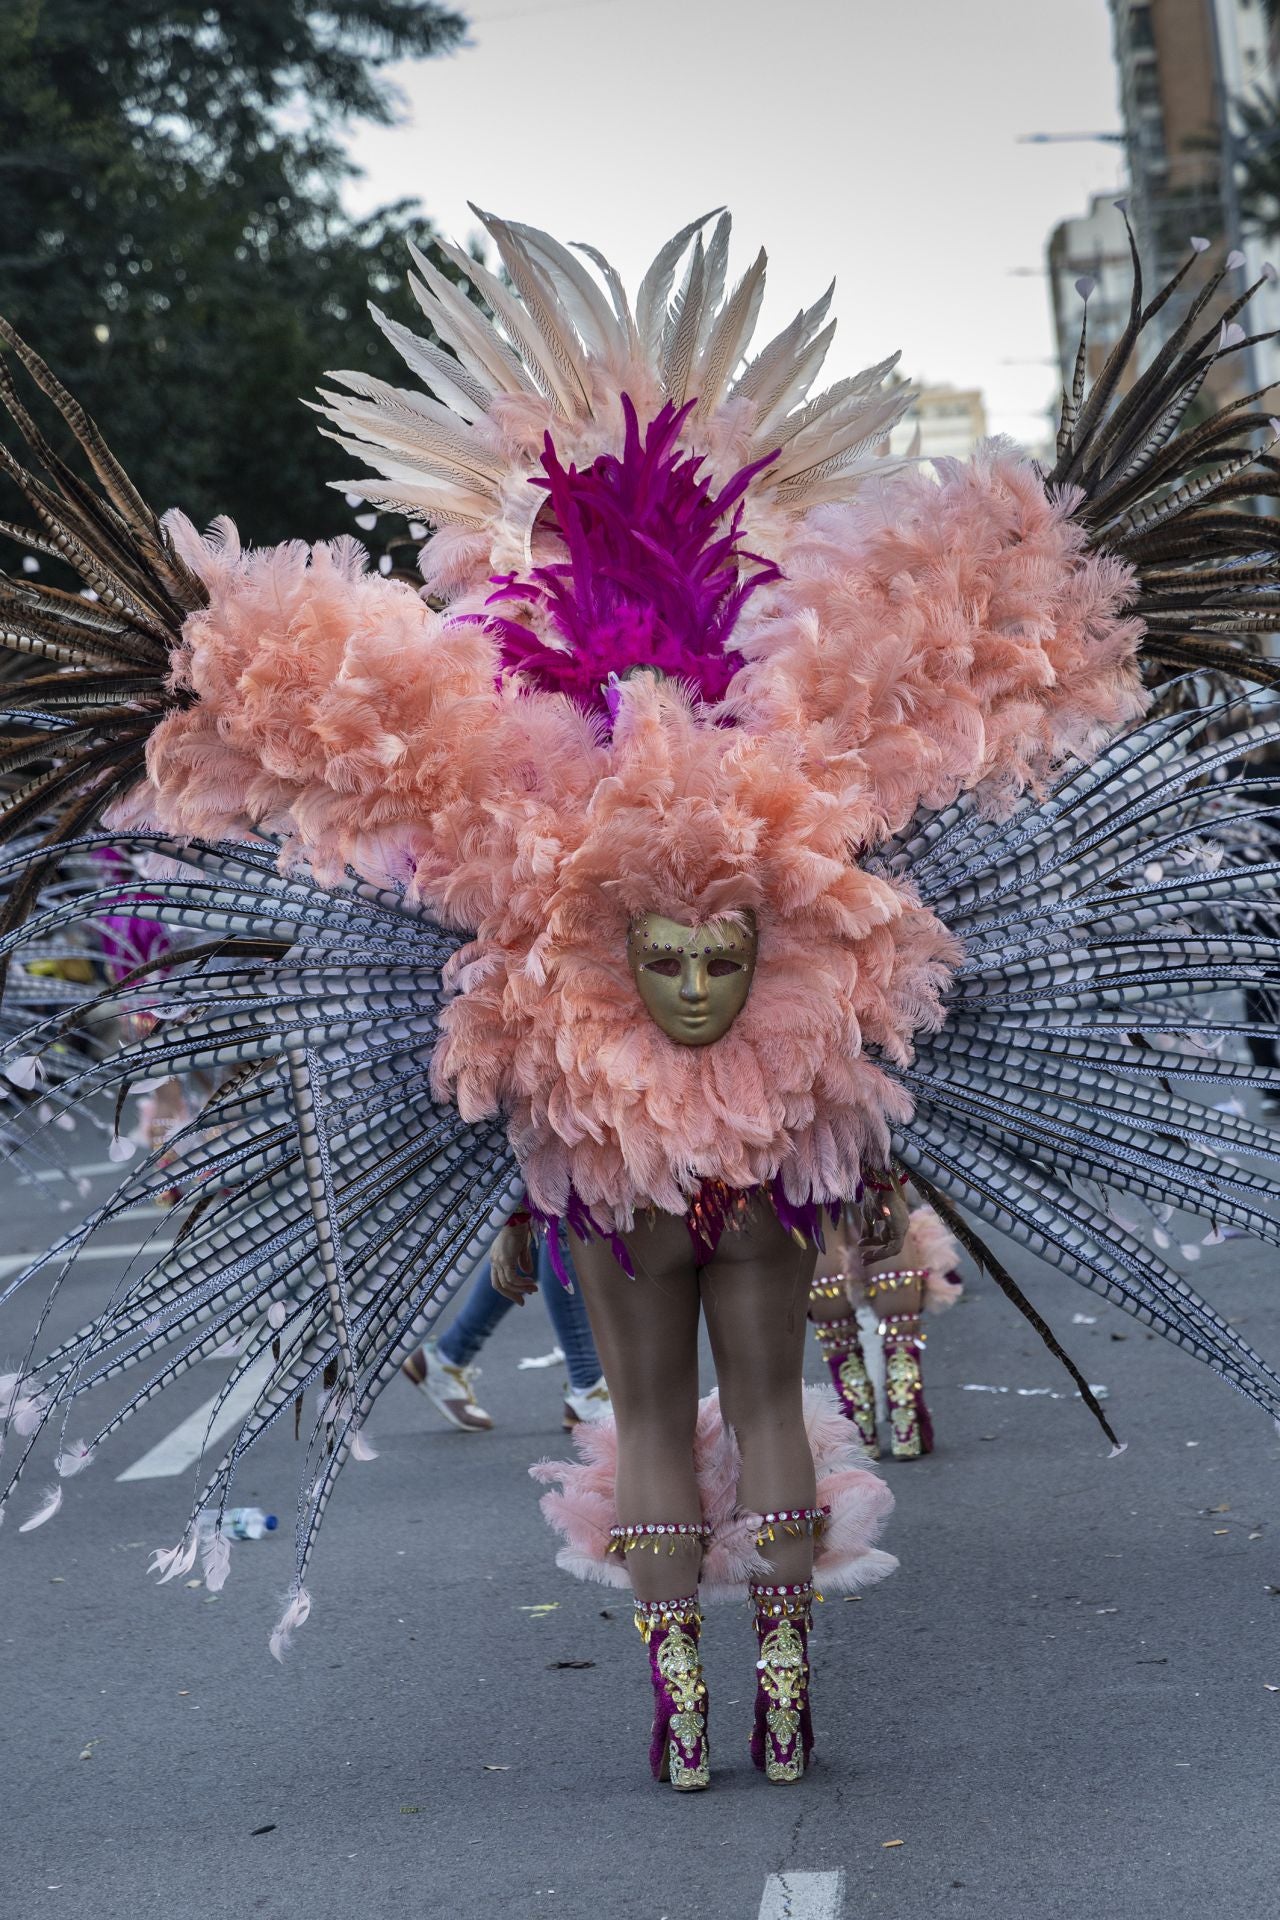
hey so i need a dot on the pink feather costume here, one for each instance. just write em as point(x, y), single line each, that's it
point(830, 656)
point(900, 647)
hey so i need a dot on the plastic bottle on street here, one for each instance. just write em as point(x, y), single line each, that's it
point(247, 1523)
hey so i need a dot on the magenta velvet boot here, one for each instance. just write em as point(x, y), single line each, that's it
point(842, 1350)
point(782, 1737)
point(678, 1751)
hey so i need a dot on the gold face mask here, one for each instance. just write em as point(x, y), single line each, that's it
point(694, 982)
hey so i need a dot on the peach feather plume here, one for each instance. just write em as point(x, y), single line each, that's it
point(330, 705)
point(934, 635)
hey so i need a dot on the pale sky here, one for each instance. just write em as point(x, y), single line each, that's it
point(876, 140)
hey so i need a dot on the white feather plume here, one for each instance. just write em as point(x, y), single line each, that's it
point(557, 339)
point(294, 1616)
point(654, 297)
point(27, 1410)
point(74, 1458)
point(45, 1511)
point(215, 1558)
point(170, 1563)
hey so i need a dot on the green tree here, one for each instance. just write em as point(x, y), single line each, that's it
point(172, 235)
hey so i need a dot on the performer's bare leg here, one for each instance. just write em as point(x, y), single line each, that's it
point(646, 1333)
point(754, 1292)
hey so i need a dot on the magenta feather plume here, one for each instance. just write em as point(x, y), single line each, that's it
point(654, 574)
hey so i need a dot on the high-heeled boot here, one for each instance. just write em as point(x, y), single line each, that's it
point(679, 1749)
point(904, 1385)
point(782, 1736)
point(842, 1350)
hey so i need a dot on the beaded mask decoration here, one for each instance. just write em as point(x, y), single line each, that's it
point(694, 981)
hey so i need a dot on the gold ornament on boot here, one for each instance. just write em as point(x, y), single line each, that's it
point(784, 1675)
point(688, 1761)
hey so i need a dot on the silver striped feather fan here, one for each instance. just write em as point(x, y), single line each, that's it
point(561, 339)
point(1101, 932)
point(329, 1206)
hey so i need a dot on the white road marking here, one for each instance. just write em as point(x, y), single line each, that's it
point(68, 1173)
point(13, 1262)
point(183, 1447)
point(803, 1896)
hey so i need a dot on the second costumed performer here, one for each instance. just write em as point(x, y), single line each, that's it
point(759, 820)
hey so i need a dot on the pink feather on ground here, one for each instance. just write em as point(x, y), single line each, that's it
point(580, 1506)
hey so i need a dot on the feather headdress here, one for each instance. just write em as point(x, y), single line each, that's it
point(555, 356)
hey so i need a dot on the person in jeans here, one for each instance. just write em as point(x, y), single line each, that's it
point(444, 1371)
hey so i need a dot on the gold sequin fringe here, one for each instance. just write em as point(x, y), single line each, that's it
point(794, 1521)
point(668, 1533)
point(652, 1616)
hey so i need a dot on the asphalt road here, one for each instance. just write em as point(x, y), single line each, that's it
point(1066, 1703)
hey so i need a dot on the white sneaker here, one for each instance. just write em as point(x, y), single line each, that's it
point(592, 1403)
point(449, 1387)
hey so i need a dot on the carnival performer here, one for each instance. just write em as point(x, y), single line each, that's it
point(921, 1278)
point(741, 821)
